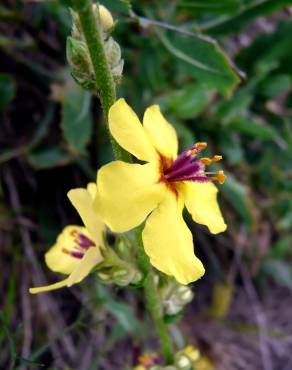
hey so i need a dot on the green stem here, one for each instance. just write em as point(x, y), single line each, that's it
point(152, 298)
point(106, 88)
point(105, 84)
point(154, 307)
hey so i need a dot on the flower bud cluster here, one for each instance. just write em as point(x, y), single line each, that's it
point(189, 358)
point(78, 54)
point(120, 275)
point(174, 296)
point(118, 266)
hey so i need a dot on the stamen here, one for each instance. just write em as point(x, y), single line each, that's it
point(186, 170)
point(207, 161)
point(66, 251)
point(220, 177)
point(187, 167)
point(83, 241)
point(196, 149)
point(201, 145)
point(73, 232)
point(78, 255)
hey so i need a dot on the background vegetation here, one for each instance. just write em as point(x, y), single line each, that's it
point(222, 73)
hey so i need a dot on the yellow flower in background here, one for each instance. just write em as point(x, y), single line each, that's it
point(78, 249)
point(127, 193)
point(147, 360)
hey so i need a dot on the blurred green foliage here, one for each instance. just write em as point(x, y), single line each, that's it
point(221, 72)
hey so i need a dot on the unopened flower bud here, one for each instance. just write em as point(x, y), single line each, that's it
point(113, 56)
point(105, 17)
point(187, 358)
point(80, 63)
point(183, 362)
point(112, 51)
point(77, 55)
point(175, 296)
point(184, 294)
point(76, 26)
point(103, 276)
point(123, 248)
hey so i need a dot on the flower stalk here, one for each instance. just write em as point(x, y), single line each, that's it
point(105, 86)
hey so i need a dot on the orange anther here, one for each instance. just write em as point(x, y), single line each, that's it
point(201, 146)
point(206, 161)
point(73, 232)
point(221, 177)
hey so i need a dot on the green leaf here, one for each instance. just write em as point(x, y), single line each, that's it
point(125, 316)
point(239, 197)
point(185, 135)
point(253, 128)
point(48, 158)
point(231, 148)
point(280, 271)
point(231, 108)
point(247, 15)
point(202, 59)
point(198, 7)
point(68, 3)
point(123, 312)
point(7, 90)
point(272, 49)
point(187, 102)
point(282, 248)
point(151, 69)
point(76, 120)
point(276, 85)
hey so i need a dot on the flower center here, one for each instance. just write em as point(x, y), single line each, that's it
point(81, 244)
point(187, 167)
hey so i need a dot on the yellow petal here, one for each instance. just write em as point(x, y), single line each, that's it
point(201, 201)
point(129, 133)
point(169, 243)
point(127, 193)
point(91, 188)
point(82, 201)
point(91, 258)
point(162, 134)
point(47, 288)
point(57, 258)
point(82, 268)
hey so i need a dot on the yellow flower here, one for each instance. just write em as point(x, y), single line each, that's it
point(77, 249)
point(158, 190)
point(147, 360)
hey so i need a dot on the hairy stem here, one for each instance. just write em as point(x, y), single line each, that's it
point(105, 84)
point(106, 89)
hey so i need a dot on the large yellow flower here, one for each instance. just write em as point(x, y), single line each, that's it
point(129, 193)
point(78, 249)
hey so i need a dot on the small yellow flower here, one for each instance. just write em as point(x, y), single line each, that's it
point(78, 249)
point(158, 190)
point(147, 360)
